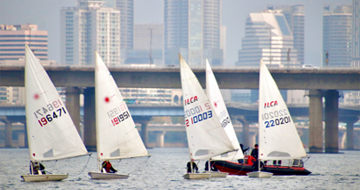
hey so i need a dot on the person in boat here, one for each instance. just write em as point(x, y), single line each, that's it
point(255, 154)
point(243, 150)
point(194, 166)
point(212, 166)
point(106, 165)
point(37, 168)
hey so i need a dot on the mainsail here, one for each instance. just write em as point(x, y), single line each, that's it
point(214, 94)
point(116, 133)
point(278, 137)
point(206, 137)
point(52, 134)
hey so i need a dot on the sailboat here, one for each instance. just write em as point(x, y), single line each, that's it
point(206, 137)
point(278, 137)
point(52, 134)
point(214, 94)
point(116, 133)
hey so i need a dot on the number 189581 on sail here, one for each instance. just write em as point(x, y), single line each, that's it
point(55, 107)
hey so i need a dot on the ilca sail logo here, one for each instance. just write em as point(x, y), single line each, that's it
point(270, 104)
point(191, 100)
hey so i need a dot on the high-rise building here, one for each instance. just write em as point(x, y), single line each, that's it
point(126, 8)
point(355, 51)
point(192, 28)
point(89, 27)
point(148, 45)
point(337, 35)
point(14, 37)
point(268, 37)
point(295, 17)
point(12, 52)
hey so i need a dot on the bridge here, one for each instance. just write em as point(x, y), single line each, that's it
point(169, 77)
point(322, 83)
point(247, 114)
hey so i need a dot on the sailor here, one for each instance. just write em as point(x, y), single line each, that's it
point(37, 168)
point(106, 165)
point(194, 166)
point(255, 152)
point(243, 150)
point(212, 166)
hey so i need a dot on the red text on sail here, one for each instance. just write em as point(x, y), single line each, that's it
point(270, 104)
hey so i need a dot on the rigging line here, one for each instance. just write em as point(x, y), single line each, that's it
point(141, 166)
point(53, 167)
point(84, 167)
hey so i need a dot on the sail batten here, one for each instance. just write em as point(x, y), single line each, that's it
point(117, 135)
point(52, 134)
point(278, 137)
point(205, 135)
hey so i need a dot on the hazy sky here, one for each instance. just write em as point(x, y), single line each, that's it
point(46, 14)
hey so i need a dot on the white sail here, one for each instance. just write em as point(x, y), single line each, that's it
point(278, 137)
point(214, 94)
point(51, 132)
point(206, 137)
point(116, 133)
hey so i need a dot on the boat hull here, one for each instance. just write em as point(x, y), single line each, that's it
point(218, 174)
point(259, 174)
point(99, 175)
point(234, 168)
point(44, 177)
point(197, 176)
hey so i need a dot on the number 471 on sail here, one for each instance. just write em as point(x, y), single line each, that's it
point(52, 107)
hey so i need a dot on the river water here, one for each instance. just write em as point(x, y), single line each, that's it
point(165, 168)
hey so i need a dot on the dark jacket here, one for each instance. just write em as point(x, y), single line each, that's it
point(255, 153)
point(194, 166)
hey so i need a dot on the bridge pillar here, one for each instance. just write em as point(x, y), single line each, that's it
point(89, 119)
point(252, 139)
point(26, 144)
point(160, 138)
point(331, 121)
point(73, 105)
point(8, 131)
point(315, 121)
point(21, 140)
point(143, 121)
point(8, 134)
point(245, 131)
point(350, 134)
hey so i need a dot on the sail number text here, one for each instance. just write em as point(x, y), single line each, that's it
point(197, 114)
point(226, 119)
point(120, 118)
point(52, 111)
point(279, 117)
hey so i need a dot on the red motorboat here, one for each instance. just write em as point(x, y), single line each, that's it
point(293, 167)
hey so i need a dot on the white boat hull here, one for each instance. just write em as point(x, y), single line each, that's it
point(44, 177)
point(219, 174)
point(99, 175)
point(197, 176)
point(259, 174)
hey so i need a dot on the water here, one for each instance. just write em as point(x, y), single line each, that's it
point(165, 168)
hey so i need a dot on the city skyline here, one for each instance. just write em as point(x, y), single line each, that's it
point(234, 15)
